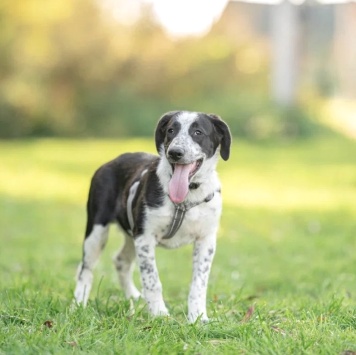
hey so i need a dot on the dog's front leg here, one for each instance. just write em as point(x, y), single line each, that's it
point(151, 284)
point(204, 250)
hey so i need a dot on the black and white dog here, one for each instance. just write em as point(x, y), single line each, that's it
point(167, 201)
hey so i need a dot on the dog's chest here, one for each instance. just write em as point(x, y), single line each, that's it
point(198, 222)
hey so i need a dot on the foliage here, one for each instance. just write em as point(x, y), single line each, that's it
point(67, 68)
point(283, 280)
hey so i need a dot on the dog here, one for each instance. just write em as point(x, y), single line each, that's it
point(168, 200)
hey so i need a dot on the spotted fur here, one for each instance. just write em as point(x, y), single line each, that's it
point(182, 137)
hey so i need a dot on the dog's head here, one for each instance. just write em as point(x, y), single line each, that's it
point(188, 140)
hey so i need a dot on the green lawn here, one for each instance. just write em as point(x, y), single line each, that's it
point(283, 280)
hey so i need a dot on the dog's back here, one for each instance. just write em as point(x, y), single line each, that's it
point(110, 187)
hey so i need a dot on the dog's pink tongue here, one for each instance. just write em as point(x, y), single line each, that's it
point(179, 184)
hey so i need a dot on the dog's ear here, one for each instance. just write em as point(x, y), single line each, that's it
point(224, 135)
point(161, 128)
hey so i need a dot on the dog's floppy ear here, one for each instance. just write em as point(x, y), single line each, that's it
point(161, 128)
point(225, 135)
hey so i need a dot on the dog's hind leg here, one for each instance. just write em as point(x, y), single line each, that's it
point(124, 263)
point(94, 243)
point(100, 208)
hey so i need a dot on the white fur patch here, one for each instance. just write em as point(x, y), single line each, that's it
point(204, 250)
point(124, 263)
point(192, 150)
point(152, 287)
point(93, 246)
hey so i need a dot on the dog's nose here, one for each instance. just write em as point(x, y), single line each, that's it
point(176, 153)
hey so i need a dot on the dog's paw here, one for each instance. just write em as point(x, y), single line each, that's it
point(81, 295)
point(198, 318)
point(75, 304)
point(158, 309)
point(205, 320)
point(133, 293)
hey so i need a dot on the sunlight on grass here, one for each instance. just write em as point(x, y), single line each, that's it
point(283, 279)
point(289, 189)
point(57, 169)
point(62, 169)
point(340, 114)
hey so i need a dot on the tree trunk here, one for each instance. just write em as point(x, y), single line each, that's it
point(285, 52)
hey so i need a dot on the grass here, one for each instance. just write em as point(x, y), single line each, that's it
point(283, 280)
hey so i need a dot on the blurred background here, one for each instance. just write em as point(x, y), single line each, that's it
point(110, 68)
point(82, 81)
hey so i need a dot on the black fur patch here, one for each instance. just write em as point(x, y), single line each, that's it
point(202, 132)
point(110, 187)
point(154, 190)
point(161, 129)
point(173, 128)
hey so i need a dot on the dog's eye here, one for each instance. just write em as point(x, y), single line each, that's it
point(198, 133)
point(170, 130)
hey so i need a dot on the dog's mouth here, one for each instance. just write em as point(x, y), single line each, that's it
point(179, 184)
point(193, 167)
